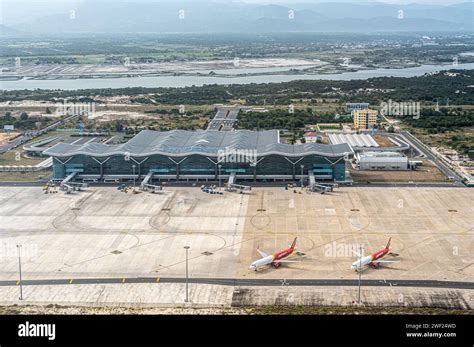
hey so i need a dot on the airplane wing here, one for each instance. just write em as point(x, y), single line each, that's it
point(386, 261)
point(263, 254)
point(287, 261)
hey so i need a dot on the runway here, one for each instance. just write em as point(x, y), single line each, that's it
point(249, 282)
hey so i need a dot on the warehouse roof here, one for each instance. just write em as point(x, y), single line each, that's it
point(382, 157)
point(355, 140)
point(204, 142)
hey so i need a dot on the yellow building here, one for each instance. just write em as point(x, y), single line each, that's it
point(364, 119)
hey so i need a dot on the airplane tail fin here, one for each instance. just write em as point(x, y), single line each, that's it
point(388, 243)
point(293, 244)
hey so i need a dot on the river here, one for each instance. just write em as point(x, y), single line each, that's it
point(186, 81)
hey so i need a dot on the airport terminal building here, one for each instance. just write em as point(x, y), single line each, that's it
point(201, 155)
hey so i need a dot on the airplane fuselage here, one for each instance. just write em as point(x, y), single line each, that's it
point(271, 259)
point(262, 262)
point(370, 259)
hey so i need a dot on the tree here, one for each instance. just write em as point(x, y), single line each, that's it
point(24, 116)
point(118, 127)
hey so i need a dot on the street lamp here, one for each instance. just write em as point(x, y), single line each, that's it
point(360, 267)
point(254, 166)
point(133, 167)
point(302, 167)
point(19, 265)
point(220, 167)
point(187, 296)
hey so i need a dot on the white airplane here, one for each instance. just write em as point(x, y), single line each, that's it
point(373, 259)
point(275, 259)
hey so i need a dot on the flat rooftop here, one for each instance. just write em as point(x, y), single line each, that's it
point(382, 155)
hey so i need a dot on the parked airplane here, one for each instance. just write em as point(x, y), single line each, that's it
point(274, 259)
point(373, 259)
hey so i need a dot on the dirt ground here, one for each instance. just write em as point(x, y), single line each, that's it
point(428, 172)
point(383, 141)
point(4, 137)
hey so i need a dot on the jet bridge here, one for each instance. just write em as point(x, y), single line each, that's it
point(69, 178)
point(239, 188)
point(317, 187)
point(233, 187)
point(151, 188)
point(145, 181)
point(231, 179)
point(332, 186)
point(312, 180)
point(65, 182)
point(77, 185)
point(147, 186)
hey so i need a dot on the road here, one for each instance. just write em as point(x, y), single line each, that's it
point(224, 119)
point(430, 155)
point(249, 282)
point(25, 137)
point(14, 143)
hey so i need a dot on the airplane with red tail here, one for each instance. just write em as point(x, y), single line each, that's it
point(374, 259)
point(275, 259)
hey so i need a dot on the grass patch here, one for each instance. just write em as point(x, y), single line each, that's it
point(10, 158)
point(24, 176)
point(338, 310)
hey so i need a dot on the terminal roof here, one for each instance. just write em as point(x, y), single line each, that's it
point(203, 142)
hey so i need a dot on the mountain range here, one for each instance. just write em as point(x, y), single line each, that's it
point(201, 16)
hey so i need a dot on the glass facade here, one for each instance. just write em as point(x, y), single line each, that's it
point(197, 164)
point(157, 163)
point(274, 165)
point(277, 165)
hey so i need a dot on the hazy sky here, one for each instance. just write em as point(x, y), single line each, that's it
point(437, 2)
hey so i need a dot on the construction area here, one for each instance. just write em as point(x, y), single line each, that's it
point(100, 246)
